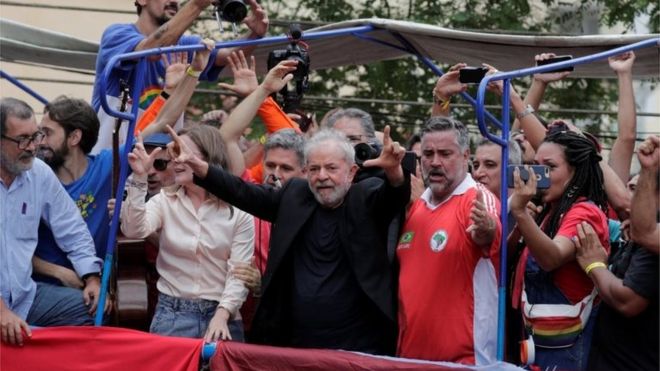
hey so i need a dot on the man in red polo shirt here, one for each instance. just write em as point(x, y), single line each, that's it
point(448, 254)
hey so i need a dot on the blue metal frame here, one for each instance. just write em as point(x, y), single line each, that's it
point(24, 87)
point(503, 142)
point(359, 32)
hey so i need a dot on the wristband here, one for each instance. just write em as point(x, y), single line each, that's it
point(443, 103)
point(528, 111)
point(164, 94)
point(191, 72)
point(593, 266)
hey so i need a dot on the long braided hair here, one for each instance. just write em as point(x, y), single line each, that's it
point(587, 181)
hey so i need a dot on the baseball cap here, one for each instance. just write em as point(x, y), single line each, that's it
point(157, 140)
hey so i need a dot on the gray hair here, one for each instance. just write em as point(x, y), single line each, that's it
point(515, 153)
point(365, 119)
point(287, 139)
point(330, 135)
point(439, 123)
point(12, 107)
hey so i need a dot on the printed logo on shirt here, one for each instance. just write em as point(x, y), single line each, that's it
point(439, 240)
point(405, 240)
point(86, 202)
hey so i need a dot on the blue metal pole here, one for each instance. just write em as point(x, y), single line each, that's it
point(23, 87)
point(138, 83)
point(502, 284)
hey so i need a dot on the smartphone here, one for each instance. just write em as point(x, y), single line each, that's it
point(409, 162)
point(471, 75)
point(560, 58)
point(542, 173)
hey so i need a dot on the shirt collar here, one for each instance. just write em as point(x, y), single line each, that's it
point(463, 187)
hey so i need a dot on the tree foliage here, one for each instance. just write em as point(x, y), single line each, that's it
point(406, 80)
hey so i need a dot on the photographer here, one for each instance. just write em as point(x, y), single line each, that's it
point(159, 24)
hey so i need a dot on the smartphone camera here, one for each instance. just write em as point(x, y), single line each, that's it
point(471, 75)
point(561, 58)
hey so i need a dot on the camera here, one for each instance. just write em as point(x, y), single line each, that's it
point(297, 51)
point(365, 151)
point(233, 11)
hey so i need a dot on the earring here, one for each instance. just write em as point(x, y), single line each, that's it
point(571, 192)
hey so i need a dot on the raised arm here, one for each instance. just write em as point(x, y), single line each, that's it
point(624, 144)
point(170, 32)
point(644, 227)
point(177, 102)
point(446, 87)
point(540, 82)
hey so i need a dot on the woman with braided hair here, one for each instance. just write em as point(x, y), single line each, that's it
point(555, 295)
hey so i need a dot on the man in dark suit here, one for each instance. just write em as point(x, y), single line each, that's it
point(328, 283)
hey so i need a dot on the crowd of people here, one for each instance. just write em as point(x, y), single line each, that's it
point(295, 243)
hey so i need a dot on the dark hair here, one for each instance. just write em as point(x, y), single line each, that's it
point(414, 139)
point(581, 154)
point(75, 114)
point(12, 107)
point(440, 123)
point(138, 8)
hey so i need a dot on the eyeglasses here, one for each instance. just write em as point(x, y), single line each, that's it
point(160, 164)
point(24, 141)
point(354, 138)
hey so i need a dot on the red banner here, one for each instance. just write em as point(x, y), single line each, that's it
point(232, 356)
point(100, 348)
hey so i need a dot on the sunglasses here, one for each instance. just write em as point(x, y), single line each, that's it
point(160, 164)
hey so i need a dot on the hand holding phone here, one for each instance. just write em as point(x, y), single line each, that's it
point(542, 173)
point(471, 75)
point(557, 59)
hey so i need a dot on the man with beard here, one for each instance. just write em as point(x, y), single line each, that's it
point(71, 128)
point(448, 256)
point(160, 23)
point(328, 283)
point(30, 192)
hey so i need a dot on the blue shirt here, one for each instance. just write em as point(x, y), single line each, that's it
point(91, 193)
point(34, 195)
point(120, 39)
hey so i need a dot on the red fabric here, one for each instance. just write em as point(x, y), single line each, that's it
point(234, 356)
point(569, 278)
point(437, 280)
point(101, 348)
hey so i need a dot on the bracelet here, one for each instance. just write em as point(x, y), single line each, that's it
point(528, 111)
point(593, 266)
point(164, 94)
point(191, 72)
point(443, 103)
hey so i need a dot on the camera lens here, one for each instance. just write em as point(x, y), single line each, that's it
point(233, 10)
point(364, 152)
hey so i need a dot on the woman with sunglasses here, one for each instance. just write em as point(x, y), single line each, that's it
point(200, 237)
point(549, 281)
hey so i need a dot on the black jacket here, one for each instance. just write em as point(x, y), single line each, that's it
point(369, 208)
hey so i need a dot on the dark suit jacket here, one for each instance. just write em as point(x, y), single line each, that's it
point(369, 208)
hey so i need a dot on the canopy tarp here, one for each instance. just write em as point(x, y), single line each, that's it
point(26, 44)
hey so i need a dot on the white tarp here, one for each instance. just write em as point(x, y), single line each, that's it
point(26, 44)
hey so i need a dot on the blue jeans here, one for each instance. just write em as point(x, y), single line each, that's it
point(188, 318)
point(58, 306)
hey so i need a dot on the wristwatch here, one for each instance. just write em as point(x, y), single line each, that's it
point(528, 111)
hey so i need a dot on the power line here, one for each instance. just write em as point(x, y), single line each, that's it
point(315, 98)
